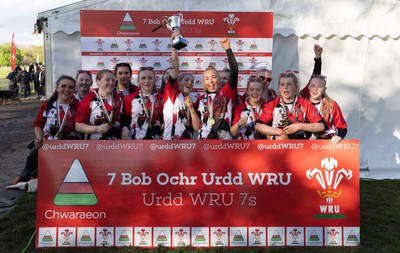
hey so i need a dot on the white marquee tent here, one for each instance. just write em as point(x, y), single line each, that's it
point(360, 40)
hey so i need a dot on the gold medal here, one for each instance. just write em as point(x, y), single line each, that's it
point(286, 122)
point(59, 135)
point(61, 124)
point(211, 121)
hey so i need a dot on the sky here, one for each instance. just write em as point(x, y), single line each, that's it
point(19, 17)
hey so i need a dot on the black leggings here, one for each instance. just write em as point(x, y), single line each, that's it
point(31, 166)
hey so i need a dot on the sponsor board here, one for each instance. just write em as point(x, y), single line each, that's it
point(202, 197)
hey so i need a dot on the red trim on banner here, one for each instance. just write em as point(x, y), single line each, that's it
point(75, 188)
point(99, 23)
point(181, 54)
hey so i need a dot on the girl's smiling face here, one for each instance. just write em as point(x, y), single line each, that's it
point(186, 84)
point(106, 84)
point(83, 83)
point(254, 92)
point(65, 90)
point(166, 75)
point(211, 80)
point(317, 89)
point(146, 81)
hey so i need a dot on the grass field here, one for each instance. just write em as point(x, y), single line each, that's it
point(4, 71)
point(3, 84)
point(379, 211)
point(3, 81)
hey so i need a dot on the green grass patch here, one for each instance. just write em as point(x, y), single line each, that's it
point(4, 84)
point(380, 227)
point(4, 71)
point(3, 81)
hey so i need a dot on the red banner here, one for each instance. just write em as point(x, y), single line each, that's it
point(195, 24)
point(111, 37)
point(198, 193)
point(13, 53)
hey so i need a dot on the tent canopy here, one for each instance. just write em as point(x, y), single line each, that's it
point(312, 18)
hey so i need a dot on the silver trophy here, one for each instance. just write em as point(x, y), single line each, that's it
point(174, 24)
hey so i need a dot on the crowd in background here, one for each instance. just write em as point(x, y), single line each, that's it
point(21, 80)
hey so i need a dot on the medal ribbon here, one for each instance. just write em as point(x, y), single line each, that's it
point(60, 126)
point(187, 116)
point(109, 117)
point(146, 104)
point(187, 111)
point(210, 107)
point(255, 112)
point(287, 112)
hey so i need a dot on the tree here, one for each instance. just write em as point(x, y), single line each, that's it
point(25, 54)
point(5, 55)
point(33, 54)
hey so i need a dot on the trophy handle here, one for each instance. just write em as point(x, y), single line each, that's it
point(166, 22)
point(180, 15)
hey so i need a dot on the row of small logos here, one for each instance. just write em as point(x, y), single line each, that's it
point(194, 64)
point(197, 236)
point(231, 145)
point(164, 45)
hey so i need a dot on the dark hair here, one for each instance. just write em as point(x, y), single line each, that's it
point(120, 65)
point(163, 83)
point(182, 75)
point(17, 68)
point(225, 70)
point(54, 96)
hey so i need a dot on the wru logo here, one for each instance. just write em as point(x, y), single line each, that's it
point(329, 178)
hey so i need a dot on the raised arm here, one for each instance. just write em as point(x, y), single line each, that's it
point(175, 59)
point(305, 93)
point(234, 69)
point(317, 60)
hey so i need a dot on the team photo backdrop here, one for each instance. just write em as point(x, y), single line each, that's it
point(198, 193)
point(111, 37)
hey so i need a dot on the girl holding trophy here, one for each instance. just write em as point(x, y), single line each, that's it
point(215, 105)
point(180, 118)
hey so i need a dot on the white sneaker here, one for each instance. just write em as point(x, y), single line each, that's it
point(43, 99)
